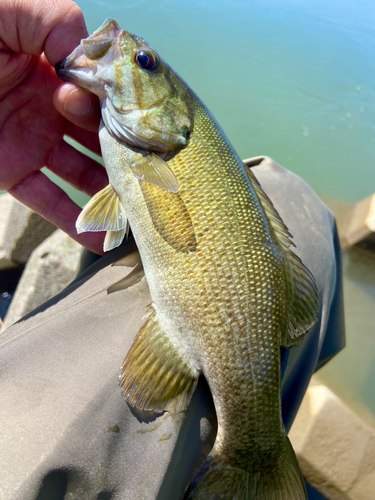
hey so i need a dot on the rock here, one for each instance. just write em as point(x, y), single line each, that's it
point(21, 231)
point(51, 267)
point(361, 227)
point(335, 448)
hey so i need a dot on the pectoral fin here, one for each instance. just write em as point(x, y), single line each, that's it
point(104, 212)
point(114, 238)
point(156, 376)
point(153, 169)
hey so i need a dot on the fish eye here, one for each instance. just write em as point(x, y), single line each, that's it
point(147, 60)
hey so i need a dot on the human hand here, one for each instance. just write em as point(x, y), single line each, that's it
point(36, 111)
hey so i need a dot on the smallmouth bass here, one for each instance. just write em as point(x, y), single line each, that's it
point(226, 289)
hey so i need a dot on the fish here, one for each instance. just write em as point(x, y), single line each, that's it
point(227, 289)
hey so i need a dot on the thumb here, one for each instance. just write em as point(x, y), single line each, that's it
point(78, 106)
point(35, 26)
point(67, 29)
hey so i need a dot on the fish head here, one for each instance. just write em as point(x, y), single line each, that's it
point(144, 103)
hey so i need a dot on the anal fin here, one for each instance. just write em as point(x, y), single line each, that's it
point(156, 376)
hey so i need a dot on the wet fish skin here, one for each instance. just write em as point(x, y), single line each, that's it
point(226, 289)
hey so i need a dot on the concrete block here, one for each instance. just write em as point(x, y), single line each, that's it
point(334, 446)
point(21, 231)
point(51, 267)
point(364, 486)
point(361, 227)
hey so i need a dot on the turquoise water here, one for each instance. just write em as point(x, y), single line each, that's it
point(294, 80)
point(351, 374)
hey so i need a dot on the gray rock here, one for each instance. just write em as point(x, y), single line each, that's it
point(361, 227)
point(52, 266)
point(334, 446)
point(21, 231)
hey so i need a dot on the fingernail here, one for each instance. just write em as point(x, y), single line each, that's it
point(77, 103)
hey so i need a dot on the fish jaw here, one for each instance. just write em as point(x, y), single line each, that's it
point(76, 69)
point(83, 66)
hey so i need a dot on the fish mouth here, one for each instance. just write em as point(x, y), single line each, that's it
point(74, 63)
point(78, 69)
point(59, 68)
point(93, 55)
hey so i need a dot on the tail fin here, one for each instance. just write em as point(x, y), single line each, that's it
point(216, 481)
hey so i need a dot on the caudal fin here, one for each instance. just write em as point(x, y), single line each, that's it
point(216, 481)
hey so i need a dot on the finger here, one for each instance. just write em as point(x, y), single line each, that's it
point(77, 169)
point(44, 197)
point(86, 138)
point(33, 27)
point(68, 28)
point(78, 106)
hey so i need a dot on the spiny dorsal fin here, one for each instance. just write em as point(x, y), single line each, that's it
point(304, 294)
point(153, 169)
point(156, 376)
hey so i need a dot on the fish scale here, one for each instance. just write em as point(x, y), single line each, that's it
point(213, 281)
point(211, 249)
point(226, 289)
point(214, 248)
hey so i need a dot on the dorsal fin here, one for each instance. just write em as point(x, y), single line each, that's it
point(304, 301)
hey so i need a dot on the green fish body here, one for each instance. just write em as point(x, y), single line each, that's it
point(226, 289)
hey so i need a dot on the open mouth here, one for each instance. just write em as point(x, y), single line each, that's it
point(76, 63)
point(82, 65)
point(80, 76)
point(78, 69)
